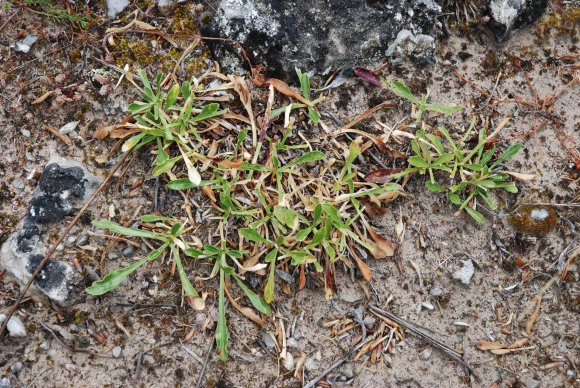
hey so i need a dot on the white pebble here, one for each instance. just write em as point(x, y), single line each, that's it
point(68, 128)
point(117, 351)
point(465, 273)
point(15, 326)
point(289, 362)
point(427, 306)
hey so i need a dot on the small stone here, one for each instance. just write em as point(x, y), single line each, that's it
point(70, 241)
point(509, 16)
point(268, 340)
point(298, 335)
point(310, 364)
point(427, 306)
point(70, 367)
point(25, 44)
point(128, 251)
point(117, 351)
point(112, 256)
point(465, 273)
point(369, 321)
point(151, 341)
point(15, 326)
point(16, 367)
point(18, 183)
point(82, 239)
point(114, 7)
point(289, 362)
point(427, 353)
point(292, 343)
point(166, 6)
point(531, 383)
point(68, 128)
point(5, 383)
point(74, 328)
point(44, 346)
point(570, 373)
point(25, 132)
point(436, 291)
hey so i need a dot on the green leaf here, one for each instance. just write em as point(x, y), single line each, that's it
point(175, 229)
point(257, 301)
point(132, 142)
point(186, 89)
point(488, 184)
point(269, 288)
point(114, 278)
point(302, 234)
point(185, 183)
point(401, 90)
point(171, 97)
point(188, 288)
point(154, 218)
point(308, 157)
point(298, 257)
point(285, 215)
point(454, 198)
point(443, 159)
point(207, 112)
point(138, 107)
point(510, 152)
point(221, 332)
point(165, 166)
point(434, 187)
point(489, 200)
point(417, 161)
point(445, 109)
point(131, 232)
point(314, 115)
point(477, 216)
point(192, 252)
point(241, 137)
point(253, 235)
point(211, 250)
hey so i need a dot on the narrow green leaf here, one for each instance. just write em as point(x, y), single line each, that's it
point(132, 142)
point(417, 161)
point(114, 278)
point(154, 218)
point(257, 301)
point(454, 198)
point(285, 215)
point(131, 232)
point(165, 166)
point(171, 97)
point(269, 288)
point(221, 332)
point(253, 235)
point(314, 115)
point(401, 90)
point(477, 216)
point(207, 112)
point(188, 288)
point(434, 187)
point(443, 159)
point(308, 157)
point(442, 108)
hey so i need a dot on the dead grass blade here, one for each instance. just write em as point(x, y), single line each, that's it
point(241, 87)
point(64, 138)
point(246, 311)
point(286, 90)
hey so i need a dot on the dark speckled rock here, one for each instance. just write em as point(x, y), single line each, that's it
point(63, 188)
point(321, 34)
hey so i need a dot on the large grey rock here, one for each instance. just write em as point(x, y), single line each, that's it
point(63, 188)
point(320, 34)
point(508, 16)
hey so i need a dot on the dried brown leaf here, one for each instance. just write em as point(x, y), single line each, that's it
point(384, 248)
point(43, 97)
point(64, 138)
point(286, 90)
point(381, 175)
point(246, 311)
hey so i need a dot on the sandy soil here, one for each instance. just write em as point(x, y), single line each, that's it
point(151, 333)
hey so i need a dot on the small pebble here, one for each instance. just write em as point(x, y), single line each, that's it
point(117, 351)
point(70, 367)
point(531, 383)
point(68, 128)
point(310, 364)
point(268, 340)
point(25, 132)
point(5, 383)
point(18, 183)
point(15, 326)
point(436, 291)
point(44, 346)
point(292, 343)
point(298, 335)
point(465, 273)
point(60, 248)
point(16, 367)
point(570, 373)
point(427, 353)
point(74, 328)
point(82, 239)
point(289, 362)
point(25, 44)
point(369, 321)
point(128, 251)
point(70, 241)
point(112, 256)
point(427, 306)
